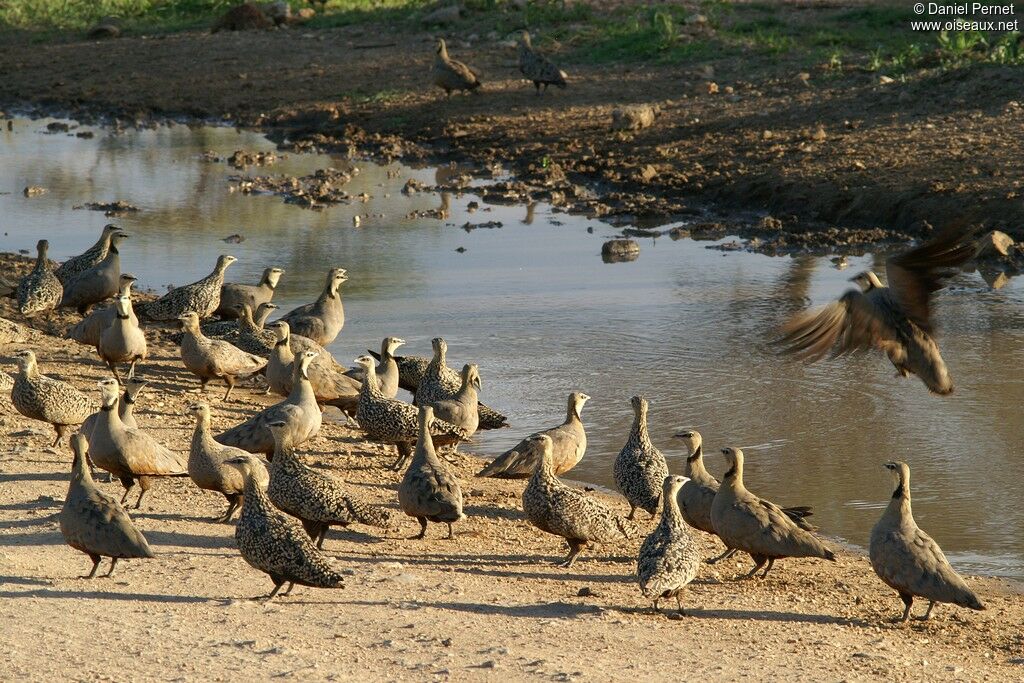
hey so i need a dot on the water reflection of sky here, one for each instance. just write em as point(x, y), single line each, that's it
point(535, 306)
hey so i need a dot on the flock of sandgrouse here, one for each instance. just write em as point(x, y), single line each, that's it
point(287, 507)
point(451, 75)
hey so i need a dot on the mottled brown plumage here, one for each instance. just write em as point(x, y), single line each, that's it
point(640, 468)
point(201, 297)
point(42, 398)
point(89, 258)
point(39, 291)
point(536, 67)
point(561, 510)
point(98, 283)
point(669, 557)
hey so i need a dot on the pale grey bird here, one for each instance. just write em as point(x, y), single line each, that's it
point(908, 560)
point(449, 74)
point(896, 319)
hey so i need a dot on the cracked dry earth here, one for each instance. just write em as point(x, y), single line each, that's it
point(489, 605)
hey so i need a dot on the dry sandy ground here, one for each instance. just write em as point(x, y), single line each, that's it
point(835, 155)
point(487, 605)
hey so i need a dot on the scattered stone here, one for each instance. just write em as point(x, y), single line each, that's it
point(616, 251)
point(234, 239)
point(711, 87)
point(443, 15)
point(85, 134)
point(116, 208)
point(34, 191)
point(278, 12)
point(647, 174)
point(678, 233)
point(996, 244)
point(633, 118)
point(586, 592)
point(240, 159)
point(468, 227)
point(886, 80)
point(412, 186)
point(314, 191)
point(58, 127)
point(461, 250)
point(105, 28)
point(244, 17)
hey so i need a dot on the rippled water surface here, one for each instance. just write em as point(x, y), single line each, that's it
point(535, 306)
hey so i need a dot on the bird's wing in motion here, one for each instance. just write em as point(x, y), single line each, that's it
point(856, 322)
point(914, 275)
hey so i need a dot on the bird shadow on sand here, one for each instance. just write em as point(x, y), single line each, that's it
point(34, 476)
point(504, 566)
point(98, 595)
point(174, 538)
point(549, 610)
point(24, 581)
point(763, 615)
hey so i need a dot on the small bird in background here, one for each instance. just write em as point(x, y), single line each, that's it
point(449, 74)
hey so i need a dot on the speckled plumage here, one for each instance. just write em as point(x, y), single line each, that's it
point(89, 329)
point(299, 410)
point(214, 358)
point(201, 297)
point(95, 523)
point(234, 294)
point(439, 382)
point(410, 372)
point(275, 543)
point(561, 510)
point(569, 444)
point(87, 259)
point(39, 291)
point(536, 67)
point(389, 420)
point(430, 490)
point(758, 527)
point(96, 284)
point(42, 398)
point(318, 500)
point(231, 330)
point(640, 468)
point(129, 454)
point(669, 558)
point(206, 463)
point(908, 560)
point(449, 74)
point(323, 319)
point(122, 341)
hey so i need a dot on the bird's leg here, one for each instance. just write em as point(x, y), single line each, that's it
point(928, 612)
point(758, 563)
point(131, 369)
point(288, 591)
point(729, 552)
point(404, 451)
point(113, 370)
point(127, 483)
point(451, 533)
point(232, 506)
point(536, 84)
point(113, 563)
point(320, 538)
point(144, 486)
point(202, 385)
point(908, 601)
point(771, 562)
point(679, 604)
point(268, 598)
point(423, 529)
point(95, 565)
point(575, 548)
point(60, 435)
point(632, 511)
point(230, 381)
point(656, 601)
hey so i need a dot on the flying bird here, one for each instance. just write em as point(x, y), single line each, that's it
point(895, 319)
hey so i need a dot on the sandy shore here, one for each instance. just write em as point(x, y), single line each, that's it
point(488, 605)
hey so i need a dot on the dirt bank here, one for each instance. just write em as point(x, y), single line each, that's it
point(834, 154)
point(487, 606)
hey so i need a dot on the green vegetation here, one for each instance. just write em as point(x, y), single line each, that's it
point(870, 38)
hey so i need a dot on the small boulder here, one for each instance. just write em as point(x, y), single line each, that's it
point(107, 27)
point(995, 245)
point(633, 118)
point(617, 251)
point(245, 17)
point(443, 15)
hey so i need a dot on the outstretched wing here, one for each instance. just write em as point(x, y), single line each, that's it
point(914, 275)
point(856, 322)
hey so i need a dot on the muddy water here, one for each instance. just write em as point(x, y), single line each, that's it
point(534, 305)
